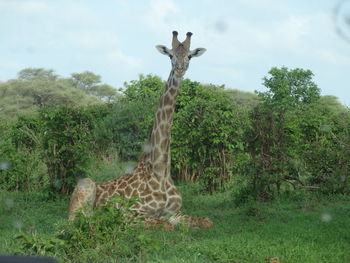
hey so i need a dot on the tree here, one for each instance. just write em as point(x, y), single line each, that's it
point(289, 88)
point(207, 136)
point(326, 148)
point(145, 89)
point(86, 81)
point(90, 83)
point(105, 92)
point(66, 143)
point(30, 74)
point(38, 88)
point(277, 136)
point(131, 117)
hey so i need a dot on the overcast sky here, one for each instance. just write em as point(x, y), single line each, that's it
point(116, 39)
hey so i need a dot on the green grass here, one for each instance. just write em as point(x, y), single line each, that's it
point(304, 231)
point(31, 212)
point(109, 167)
point(313, 230)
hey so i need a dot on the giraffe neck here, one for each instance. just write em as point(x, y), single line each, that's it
point(161, 132)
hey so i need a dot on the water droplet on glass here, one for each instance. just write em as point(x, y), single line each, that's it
point(129, 169)
point(325, 128)
point(221, 26)
point(9, 202)
point(57, 184)
point(147, 148)
point(4, 165)
point(17, 224)
point(347, 19)
point(326, 217)
point(84, 183)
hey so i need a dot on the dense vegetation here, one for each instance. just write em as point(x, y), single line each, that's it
point(259, 146)
point(285, 142)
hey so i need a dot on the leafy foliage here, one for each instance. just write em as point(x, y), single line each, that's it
point(282, 140)
point(90, 84)
point(130, 120)
point(66, 143)
point(326, 147)
point(125, 128)
point(51, 149)
point(144, 90)
point(21, 167)
point(207, 136)
point(109, 232)
point(292, 140)
point(37, 88)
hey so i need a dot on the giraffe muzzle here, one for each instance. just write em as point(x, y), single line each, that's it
point(180, 73)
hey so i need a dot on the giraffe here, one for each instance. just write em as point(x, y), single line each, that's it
point(159, 201)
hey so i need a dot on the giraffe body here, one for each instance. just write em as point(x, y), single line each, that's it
point(156, 199)
point(151, 182)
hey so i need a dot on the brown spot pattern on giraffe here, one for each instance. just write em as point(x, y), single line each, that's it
point(164, 144)
point(159, 196)
point(173, 191)
point(154, 184)
point(167, 99)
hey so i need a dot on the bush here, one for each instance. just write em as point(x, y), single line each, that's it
point(20, 165)
point(51, 149)
point(326, 153)
point(208, 136)
point(276, 137)
point(130, 120)
point(108, 233)
point(66, 144)
point(20, 170)
point(297, 141)
point(125, 128)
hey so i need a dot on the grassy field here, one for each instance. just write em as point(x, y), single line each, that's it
point(308, 230)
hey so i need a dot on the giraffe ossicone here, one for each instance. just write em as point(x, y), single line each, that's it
point(150, 181)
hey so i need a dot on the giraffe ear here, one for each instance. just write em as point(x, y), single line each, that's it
point(197, 52)
point(164, 50)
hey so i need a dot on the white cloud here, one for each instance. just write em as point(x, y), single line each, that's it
point(103, 45)
point(160, 14)
point(293, 31)
point(117, 57)
point(332, 57)
point(67, 27)
point(261, 3)
point(90, 40)
point(28, 7)
point(162, 9)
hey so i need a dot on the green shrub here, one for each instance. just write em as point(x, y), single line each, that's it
point(20, 164)
point(66, 144)
point(51, 149)
point(125, 128)
point(130, 119)
point(326, 149)
point(276, 137)
point(109, 233)
point(208, 136)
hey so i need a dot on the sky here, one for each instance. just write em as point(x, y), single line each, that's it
point(116, 39)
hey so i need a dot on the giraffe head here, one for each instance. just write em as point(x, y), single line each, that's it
point(180, 54)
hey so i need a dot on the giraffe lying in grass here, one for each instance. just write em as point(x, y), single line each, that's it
point(150, 181)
